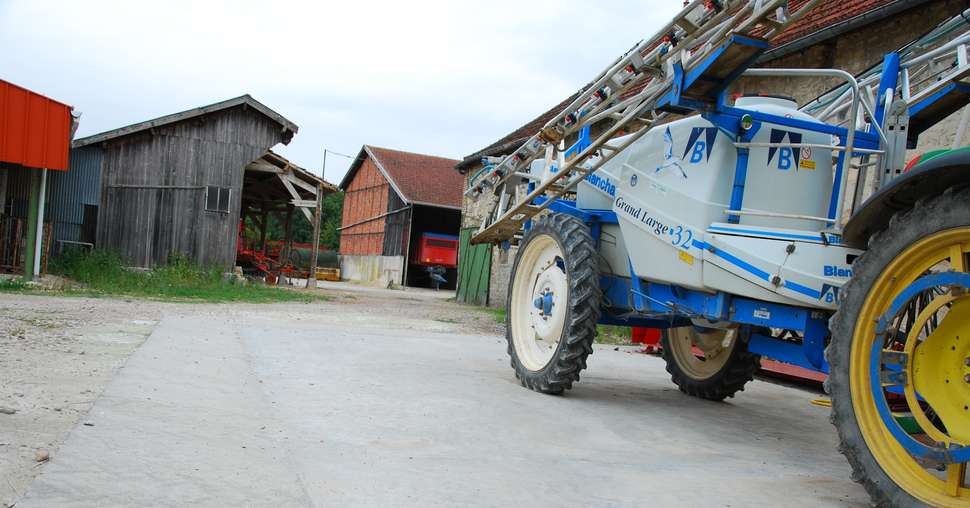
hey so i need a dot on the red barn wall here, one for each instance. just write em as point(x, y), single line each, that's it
point(365, 197)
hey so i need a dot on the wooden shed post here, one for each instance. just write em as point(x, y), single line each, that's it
point(312, 275)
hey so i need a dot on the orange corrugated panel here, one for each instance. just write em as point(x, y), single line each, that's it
point(34, 131)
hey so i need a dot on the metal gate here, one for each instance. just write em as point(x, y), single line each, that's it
point(474, 268)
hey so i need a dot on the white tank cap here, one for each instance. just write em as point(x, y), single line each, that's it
point(766, 100)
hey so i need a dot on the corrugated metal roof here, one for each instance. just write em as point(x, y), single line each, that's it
point(246, 100)
point(35, 131)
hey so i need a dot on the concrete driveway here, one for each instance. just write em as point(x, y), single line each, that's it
point(379, 401)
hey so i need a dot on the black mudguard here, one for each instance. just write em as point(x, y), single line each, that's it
point(931, 178)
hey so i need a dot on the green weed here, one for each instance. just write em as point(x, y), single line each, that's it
point(102, 272)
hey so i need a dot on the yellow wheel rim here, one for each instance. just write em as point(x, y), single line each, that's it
point(950, 246)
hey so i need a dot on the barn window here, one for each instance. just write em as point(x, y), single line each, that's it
point(217, 199)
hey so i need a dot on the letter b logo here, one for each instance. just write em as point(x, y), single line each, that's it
point(784, 158)
point(698, 154)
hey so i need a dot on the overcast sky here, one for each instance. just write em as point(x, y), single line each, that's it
point(442, 78)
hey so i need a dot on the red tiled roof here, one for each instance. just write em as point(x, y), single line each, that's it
point(420, 179)
point(827, 13)
point(824, 15)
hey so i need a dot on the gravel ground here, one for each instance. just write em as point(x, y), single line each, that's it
point(57, 354)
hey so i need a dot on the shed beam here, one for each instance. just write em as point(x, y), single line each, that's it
point(296, 196)
point(299, 182)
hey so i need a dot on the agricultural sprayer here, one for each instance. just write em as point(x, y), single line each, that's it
point(753, 226)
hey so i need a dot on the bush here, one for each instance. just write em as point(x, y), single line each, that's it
point(12, 284)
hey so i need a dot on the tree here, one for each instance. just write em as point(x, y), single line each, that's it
point(332, 215)
point(333, 212)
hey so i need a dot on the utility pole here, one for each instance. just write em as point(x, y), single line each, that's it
point(311, 279)
point(312, 276)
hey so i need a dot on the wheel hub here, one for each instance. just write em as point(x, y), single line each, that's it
point(941, 374)
point(712, 344)
point(546, 317)
point(932, 370)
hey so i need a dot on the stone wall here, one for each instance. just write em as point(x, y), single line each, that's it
point(475, 208)
point(498, 285)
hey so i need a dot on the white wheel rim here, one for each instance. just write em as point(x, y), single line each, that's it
point(715, 346)
point(540, 278)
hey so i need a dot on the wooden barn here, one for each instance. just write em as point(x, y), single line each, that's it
point(175, 185)
point(392, 201)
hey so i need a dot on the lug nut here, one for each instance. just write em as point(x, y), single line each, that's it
point(967, 361)
point(967, 378)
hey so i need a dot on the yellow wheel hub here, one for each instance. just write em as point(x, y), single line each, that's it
point(936, 369)
point(941, 370)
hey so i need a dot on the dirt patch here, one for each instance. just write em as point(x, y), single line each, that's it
point(56, 356)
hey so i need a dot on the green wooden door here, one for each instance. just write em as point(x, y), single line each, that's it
point(474, 268)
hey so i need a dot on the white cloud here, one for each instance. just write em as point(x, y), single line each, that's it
point(438, 77)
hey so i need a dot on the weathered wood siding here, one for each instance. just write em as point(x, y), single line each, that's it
point(396, 226)
point(366, 197)
point(153, 187)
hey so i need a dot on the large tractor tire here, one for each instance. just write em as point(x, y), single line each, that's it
point(553, 304)
point(708, 363)
point(900, 358)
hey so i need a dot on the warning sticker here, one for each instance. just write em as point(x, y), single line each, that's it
point(807, 164)
point(687, 258)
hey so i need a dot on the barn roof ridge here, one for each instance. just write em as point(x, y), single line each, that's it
point(424, 187)
point(245, 99)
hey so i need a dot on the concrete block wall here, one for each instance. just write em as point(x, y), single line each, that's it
point(378, 270)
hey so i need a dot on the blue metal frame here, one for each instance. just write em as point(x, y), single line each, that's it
point(890, 75)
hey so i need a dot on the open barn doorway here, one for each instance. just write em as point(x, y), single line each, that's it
point(279, 201)
point(433, 247)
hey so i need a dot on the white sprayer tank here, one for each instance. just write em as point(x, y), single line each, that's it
point(788, 180)
point(676, 180)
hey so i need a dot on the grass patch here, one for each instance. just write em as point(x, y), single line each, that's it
point(613, 335)
point(498, 314)
point(103, 273)
point(12, 285)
